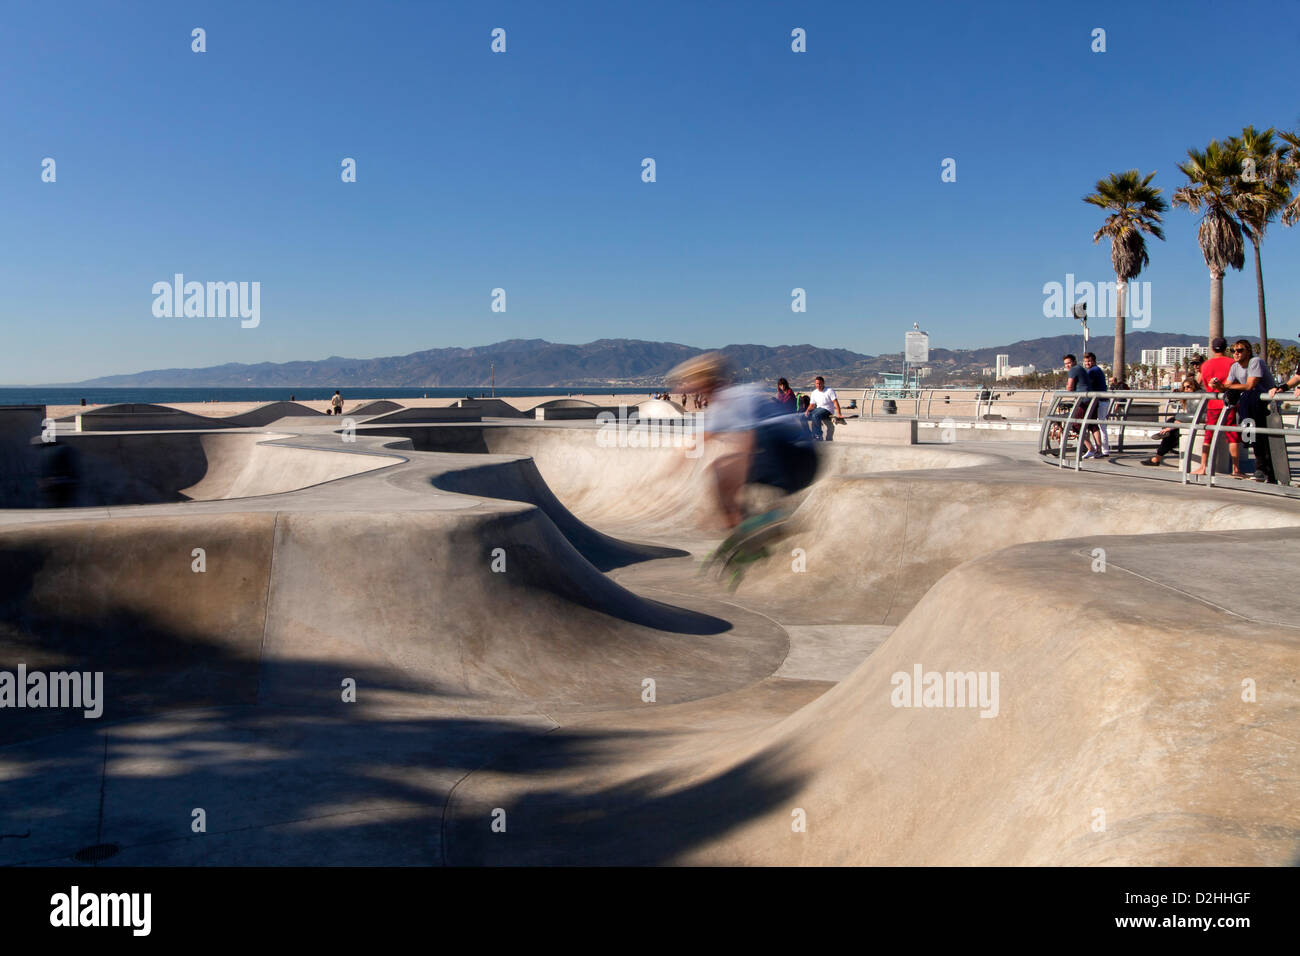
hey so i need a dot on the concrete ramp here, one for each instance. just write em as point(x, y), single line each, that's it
point(1114, 738)
point(513, 616)
point(150, 468)
point(146, 417)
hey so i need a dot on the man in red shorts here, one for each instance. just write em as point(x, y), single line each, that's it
point(1217, 366)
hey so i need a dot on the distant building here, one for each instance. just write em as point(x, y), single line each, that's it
point(1171, 356)
point(1015, 371)
point(1000, 365)
point(924, 372)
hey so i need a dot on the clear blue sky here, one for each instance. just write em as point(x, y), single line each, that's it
point(523, 171)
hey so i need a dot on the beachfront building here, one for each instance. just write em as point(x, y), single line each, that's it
point(1171, 356)
point(1167, 363)
point(1006, 370)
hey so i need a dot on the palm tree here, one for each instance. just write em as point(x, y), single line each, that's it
point(1273, 352)
point(1291, 164)
point(1291, 359)
point(1135, 207)
point(1261, 192)
point(1209, 187)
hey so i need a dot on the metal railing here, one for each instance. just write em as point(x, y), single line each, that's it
point(1073, 412)
point(922, 400)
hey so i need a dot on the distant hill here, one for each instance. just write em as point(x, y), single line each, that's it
point(518, 362)
point(631, 362)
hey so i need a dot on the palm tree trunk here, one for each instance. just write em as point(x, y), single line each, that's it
point(1259, 292)
point(1216, 306)
point(1121, 314)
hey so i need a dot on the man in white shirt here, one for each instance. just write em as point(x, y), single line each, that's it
point(823, 404)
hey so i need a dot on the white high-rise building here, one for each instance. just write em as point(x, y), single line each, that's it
point(1175, 355)
point(999, 368)
point(1171, 356)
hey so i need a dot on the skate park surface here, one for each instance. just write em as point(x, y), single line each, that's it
point(502, 592)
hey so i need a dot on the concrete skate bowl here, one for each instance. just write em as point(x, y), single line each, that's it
point(569, 409)
point(1114, 738)
point(145, 417)
point(227, 681)
point(659, 408)
point(151, 468)
point(646, 492)
point(523, 686)
point(378, 407)
point(1121, 736)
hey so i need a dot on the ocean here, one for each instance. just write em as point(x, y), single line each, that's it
point(72, 395)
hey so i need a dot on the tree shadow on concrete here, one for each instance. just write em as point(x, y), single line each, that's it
point(310, 780)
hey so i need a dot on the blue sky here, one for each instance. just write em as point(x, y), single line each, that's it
point(522, 171)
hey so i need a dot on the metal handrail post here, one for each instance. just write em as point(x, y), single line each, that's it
point(1083, 428)
point(1210, 471)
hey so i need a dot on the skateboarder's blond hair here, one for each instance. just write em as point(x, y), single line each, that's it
point(706, 371)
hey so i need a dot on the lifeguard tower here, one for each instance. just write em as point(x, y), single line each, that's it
point(898, 385)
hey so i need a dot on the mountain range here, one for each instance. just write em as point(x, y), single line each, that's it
point(630, 362)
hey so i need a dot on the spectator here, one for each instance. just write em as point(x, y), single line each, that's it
point(336, 403)
point(1194, 369)
point(1169, 436)
point(1249, 377)
point(1097, 383)
point(1214, 371)
point(823, 405)
point(1077, 380)
point(784, 395)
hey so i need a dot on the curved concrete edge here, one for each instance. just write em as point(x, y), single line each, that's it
point(1119, 736)
point(879, 542)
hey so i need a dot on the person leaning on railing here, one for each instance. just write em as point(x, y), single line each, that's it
point(1249, 377)
point(1214, 372)
point(1169, 436)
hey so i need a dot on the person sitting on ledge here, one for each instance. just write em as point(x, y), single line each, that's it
point(1169, 436)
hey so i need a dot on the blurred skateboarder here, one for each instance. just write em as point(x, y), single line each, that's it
point(763, 443)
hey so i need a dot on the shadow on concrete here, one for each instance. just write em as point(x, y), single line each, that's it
point(642, 822)
point(302, 778)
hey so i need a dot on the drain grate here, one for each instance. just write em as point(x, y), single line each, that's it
point(96, 853)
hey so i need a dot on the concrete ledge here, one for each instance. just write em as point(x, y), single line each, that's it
point(894, 431)
point(563, 414)
point(428, 415)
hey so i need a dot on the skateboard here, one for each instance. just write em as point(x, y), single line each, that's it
point(746, 545)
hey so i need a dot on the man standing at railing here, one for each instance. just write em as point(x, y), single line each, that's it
point(1097, 383)
point(1077, 381)
point(1216, 367)
point(1248, 377)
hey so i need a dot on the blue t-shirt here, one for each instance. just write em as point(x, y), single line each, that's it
point(751, 407)
point(1097, 379)
point(1079, 376)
